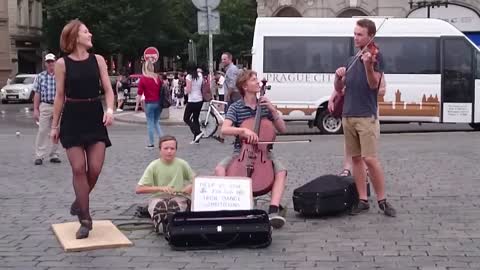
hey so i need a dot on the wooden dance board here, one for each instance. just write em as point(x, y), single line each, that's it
point(103, 235)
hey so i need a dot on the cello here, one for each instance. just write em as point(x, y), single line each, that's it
point(253, 160)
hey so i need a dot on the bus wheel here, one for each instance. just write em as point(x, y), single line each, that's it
point(329, 124)
point(475, 126)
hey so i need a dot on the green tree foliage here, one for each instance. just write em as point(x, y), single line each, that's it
point(237, 22)
point(127, 27)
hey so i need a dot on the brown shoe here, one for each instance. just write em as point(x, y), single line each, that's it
point(85, 228)
point(387, 208)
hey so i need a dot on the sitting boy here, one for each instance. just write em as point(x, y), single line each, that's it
point(169, 180)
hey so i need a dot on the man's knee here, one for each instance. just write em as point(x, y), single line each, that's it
point(220, 171)
point(357, 159)
point(281, 175)
point(370, 161)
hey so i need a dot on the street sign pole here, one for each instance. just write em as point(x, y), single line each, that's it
point(210, 48)
point(208, 19)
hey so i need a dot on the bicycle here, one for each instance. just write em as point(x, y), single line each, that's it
point(210, 117)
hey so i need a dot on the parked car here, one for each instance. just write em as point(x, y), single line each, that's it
point(19, 89)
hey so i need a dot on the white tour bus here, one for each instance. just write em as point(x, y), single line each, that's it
point(432, 70)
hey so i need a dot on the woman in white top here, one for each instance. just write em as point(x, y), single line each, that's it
point(194, 81)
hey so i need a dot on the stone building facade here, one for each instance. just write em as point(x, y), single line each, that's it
point(20, 34)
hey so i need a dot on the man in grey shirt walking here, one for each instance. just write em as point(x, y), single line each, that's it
point(231, 73)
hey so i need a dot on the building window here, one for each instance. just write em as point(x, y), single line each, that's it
point(305, 54)
point(288, 12)
point(457, 70)
point(20, 12)
point(409, 55)
point(31, 20)
point(351, 12)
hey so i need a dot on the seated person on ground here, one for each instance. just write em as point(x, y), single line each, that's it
point(169, 180)
point(239, 111)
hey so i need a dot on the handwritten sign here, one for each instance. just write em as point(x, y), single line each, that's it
point(213, 193)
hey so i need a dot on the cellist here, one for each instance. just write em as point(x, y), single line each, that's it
point(245, 108)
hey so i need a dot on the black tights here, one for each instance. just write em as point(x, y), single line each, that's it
point(191, 115)
point(86, 165)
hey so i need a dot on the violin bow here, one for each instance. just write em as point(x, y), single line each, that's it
point(366, 46)
point(286, 141)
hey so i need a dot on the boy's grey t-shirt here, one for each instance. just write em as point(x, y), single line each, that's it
point(360, 100)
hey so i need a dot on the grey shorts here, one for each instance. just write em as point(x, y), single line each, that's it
point(277, 164)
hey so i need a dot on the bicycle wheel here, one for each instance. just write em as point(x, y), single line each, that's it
point(208, 126)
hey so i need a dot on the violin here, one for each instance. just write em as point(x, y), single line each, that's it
point(373, 49)
point(253, 160)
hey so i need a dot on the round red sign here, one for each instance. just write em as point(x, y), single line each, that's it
point(151, 53)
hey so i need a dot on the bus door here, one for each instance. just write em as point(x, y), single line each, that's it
point(458, 83)
point(476, 106)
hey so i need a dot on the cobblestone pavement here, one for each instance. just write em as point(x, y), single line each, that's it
point(432, 179)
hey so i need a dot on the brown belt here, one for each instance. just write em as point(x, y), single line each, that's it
point(82, 99)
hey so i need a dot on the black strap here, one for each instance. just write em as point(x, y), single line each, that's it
point(380, 81)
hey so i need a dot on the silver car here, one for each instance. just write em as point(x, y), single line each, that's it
point(20, 89)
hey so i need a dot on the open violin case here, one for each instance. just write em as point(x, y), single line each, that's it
point(219, 230)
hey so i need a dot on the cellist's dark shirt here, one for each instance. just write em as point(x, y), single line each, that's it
point(239, 112)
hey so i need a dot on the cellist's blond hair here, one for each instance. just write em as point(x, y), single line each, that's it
point(243, 79)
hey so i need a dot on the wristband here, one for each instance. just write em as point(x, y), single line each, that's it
point(54, 127)
point(110, 111)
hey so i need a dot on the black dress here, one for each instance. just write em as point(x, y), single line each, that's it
point(82, 118)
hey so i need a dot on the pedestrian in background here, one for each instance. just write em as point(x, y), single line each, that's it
point(44, 88)
point(194, 81)
point(150, 86)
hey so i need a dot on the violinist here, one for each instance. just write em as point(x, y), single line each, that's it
point(245, 108)
point(361, 78)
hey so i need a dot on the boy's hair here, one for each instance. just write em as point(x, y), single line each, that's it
point(167, 138)
point(243, 78)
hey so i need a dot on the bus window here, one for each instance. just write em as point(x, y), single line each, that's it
point(409, 55)
point(305, 54)
point(457, 70)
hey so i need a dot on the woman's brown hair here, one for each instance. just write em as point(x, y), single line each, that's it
point(68, 38)
point(243, 78)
